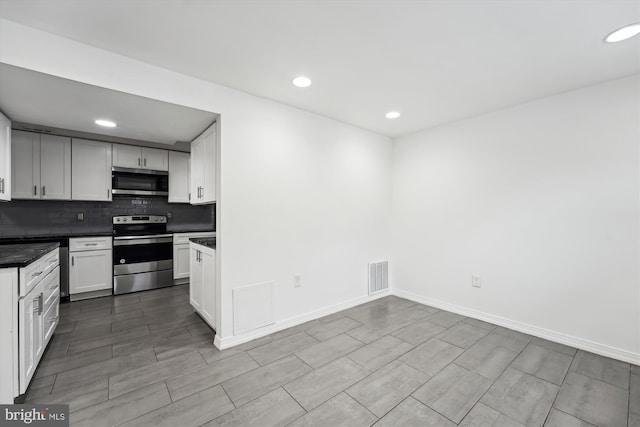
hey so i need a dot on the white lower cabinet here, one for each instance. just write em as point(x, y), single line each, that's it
point(27, 322)
point(90, 267)
point(181, 255)
point(31, 339)
point(202, 282)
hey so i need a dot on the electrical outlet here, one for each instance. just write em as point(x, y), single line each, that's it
point(80, 216)
point(296, 281)
point(475, 281)
point(169, 215)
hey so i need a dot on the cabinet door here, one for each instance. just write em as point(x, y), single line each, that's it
point(208, 307)
point(179, 184)
point(90, 170)
point(90, 271)
point(5, 158)
point(55, 167)
point(195, 279)
point(209, 170)
point(197, 170)
point(181, 259)
point(31, 336)
point(127, 156)
point(25, 165)
point(155, 159)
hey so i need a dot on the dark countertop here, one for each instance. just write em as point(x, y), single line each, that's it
point(53, 237)
point(209, 242)
point(173, 228)
point(21, 255)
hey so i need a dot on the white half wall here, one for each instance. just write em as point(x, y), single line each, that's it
point(299, 193)
point(542, 201)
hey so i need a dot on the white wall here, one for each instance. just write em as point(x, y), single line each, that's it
point(299, 193)
point(542, 201)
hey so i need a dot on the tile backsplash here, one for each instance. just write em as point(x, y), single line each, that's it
point(20, 218)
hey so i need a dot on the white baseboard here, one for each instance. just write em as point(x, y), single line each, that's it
point(593, 347)
point(231, 341)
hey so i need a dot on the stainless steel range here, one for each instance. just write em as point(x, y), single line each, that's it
point(142, 253)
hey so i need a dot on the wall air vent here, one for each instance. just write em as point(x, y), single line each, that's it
point(378, 277)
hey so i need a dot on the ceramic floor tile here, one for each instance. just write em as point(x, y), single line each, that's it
point(463, 335)
point(385, 388)
point(277, 349)
point(432, 356)
point(273, 409)
point(192, 411)
point(326, 330)
point(602, 368)
point(593, 401)
point(128, 381)
point(453, 392)
point(50, 365)
point(419, 332)
point(411, 413)
point(446, 319)
point(318, 386)
point(257, 382)
point(513, 340)
point(340, 411)
point(483, 416)
point(553, 346)
point(77, 346)
point(324, 352)
point(207, 376)
point(486, 359)
point(377, 354)
point(117, 365)
point(479, 323)
point(560, 419)
point(543, 363)
point(118, 410)
point(521, 396)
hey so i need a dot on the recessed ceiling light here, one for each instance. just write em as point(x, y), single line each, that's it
point(623, 33)
point(392, 115)
point(302, 81)
point(105, 123)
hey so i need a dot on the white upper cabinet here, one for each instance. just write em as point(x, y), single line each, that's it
point(91, 170)
point(155, 159)
point(5, 158)
point(203, 167)
point(55, 167)
point(129, 156)
point(41, 166)
point(25, 165)
point(179, 185)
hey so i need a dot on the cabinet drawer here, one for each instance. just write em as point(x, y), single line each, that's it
point(50, 261)
point(30, 276)
point(50, 287)
point(50, 319)
point(183, 238)
point(89, 243)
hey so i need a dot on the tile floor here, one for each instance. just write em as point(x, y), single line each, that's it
point(147, 360)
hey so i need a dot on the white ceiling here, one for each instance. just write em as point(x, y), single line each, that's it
point(45, 100)
point(434, 61)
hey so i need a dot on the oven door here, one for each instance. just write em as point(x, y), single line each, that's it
point(139, 254)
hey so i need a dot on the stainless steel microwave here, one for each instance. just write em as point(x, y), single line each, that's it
point(139, 182)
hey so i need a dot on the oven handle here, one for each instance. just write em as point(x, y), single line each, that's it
point(150, 236)
point(139, 241)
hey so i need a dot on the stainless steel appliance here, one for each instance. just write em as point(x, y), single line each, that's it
point(142, 253)
point(139, 182)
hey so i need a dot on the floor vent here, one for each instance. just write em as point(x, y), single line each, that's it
point(378, 277)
